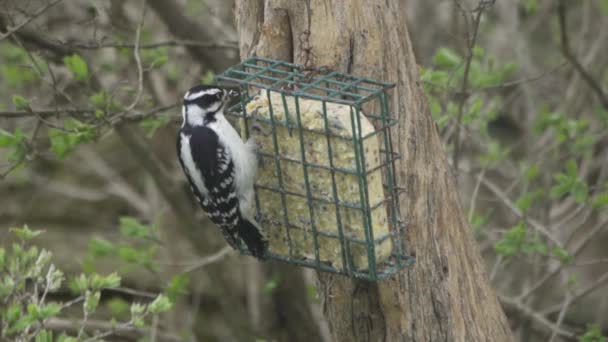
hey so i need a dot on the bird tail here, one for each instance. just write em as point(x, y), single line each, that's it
point(253, 237)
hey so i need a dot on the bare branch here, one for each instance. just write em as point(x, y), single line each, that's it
point(464, 90)
point(184, 28)
point(12, 30)
point(567, 52)
point(123, 330)
point(173, 43)
point(509, 204)
point(537, 317)
point(80, 112)
point(208, 260)
point(43, 113)
point(140, 72)
point(599, 282)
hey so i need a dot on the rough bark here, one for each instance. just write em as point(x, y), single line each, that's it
point(446, 296)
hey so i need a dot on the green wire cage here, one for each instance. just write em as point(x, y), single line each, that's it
point(326, 193)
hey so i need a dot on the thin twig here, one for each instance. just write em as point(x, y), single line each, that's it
point(475, 193)
point(576, 251)
point(43, 112)
point(140, 71)
point(527, 311)
point(73, 112)
point(599, 282)
point(465, 81)
point(509, 204)
point(562, 315)
point(177, 43)
point(569, 55)
point(12, 30)
point(124, 329)
point(208, 260)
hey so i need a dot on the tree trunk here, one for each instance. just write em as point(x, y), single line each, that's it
point(446, 295)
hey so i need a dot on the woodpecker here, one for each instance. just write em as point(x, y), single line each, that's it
point(220, 167)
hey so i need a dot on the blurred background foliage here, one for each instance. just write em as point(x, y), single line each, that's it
point(89, 109)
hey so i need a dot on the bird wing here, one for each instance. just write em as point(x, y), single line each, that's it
point(213, 161)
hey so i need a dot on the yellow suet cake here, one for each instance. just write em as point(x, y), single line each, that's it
point(295, 199)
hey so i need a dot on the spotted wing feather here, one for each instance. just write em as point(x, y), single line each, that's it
point(215, 165)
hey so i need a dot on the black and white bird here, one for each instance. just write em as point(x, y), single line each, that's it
point(220, 167)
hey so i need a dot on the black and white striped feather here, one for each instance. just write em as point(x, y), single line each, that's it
point(220, 168)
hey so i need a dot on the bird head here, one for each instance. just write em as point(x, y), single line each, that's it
point(203, 103)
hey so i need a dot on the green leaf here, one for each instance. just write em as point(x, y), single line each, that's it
point(272, 283)
point(65, 338)
point(601, 200)
point(568, 182)
point(99, 100)
point(155, 57)
point(530, 6)
point(208, 78)
point(13, 312)
point(512, 241)
point(178, 285)
point(130, 226)
point(25, 233)
point(160, 304)
point(478, 52)
point(79, 284)
point(49, 310)
point(604, 7)
point(446, 58)
point(99, 247)
point(118, 307)
point(159, 61)
point(91, 301)
point(526, 201)
point(75, 133)
point(593, 334)
point(16, 142)
point(99, 282)
point(152, 124)
point(12, 52)
point(44, 336)
point(6, 138)
point(478, 221)
point(532, 172)
point(21, 324)
point(20, 102)
point(312, 293)
point(129, 254)
point(137, 314)
point(547, 119)
point(494, 154)
point(33, 310)
point(2, 257)
point(572, 279)
point(473, 111)
point(77, 66)
point(562, 255)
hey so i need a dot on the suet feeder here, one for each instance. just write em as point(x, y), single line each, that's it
point(326, 193)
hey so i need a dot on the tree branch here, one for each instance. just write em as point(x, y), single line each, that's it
point(177, 42)
point(62, 324)
point(537, 317)
point(12, 30)
point(569, 55)
point(183, 28)
point(464, 90)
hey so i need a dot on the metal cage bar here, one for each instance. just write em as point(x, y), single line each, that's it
point(293, 83)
